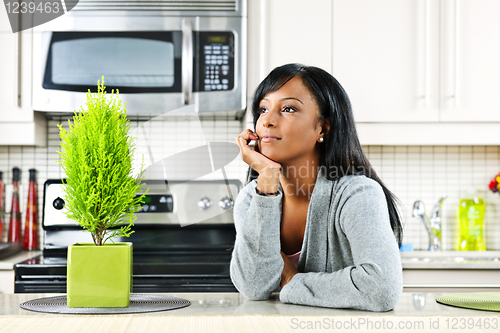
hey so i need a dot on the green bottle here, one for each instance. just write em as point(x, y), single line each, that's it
point(471, 212)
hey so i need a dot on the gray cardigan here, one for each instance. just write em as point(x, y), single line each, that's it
point(349, 257)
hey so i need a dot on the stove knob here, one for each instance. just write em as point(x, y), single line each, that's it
point(226, 203)
point(58, 203)
point(204, 203)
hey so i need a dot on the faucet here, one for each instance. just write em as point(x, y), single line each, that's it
point(433, 224)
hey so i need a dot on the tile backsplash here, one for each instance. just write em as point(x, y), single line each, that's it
point(410, 172)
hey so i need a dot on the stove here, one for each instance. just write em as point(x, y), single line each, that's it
point(183, 239)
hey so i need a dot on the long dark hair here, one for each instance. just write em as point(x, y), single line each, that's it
point(341, 152)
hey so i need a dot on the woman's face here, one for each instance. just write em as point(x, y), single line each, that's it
point(288, 126)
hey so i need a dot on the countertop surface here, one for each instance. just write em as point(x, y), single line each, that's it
point(410, 304)
point(9, 262)
point(233, 313)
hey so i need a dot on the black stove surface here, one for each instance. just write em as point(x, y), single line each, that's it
point(152, 272)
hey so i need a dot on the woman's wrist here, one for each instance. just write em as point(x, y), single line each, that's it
point(268, 181)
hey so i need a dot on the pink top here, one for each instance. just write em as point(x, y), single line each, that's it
point(294, 258)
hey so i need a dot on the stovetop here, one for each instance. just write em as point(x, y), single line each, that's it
point(208, 272)
point(146, 260)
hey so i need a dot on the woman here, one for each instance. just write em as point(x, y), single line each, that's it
point(316, 202)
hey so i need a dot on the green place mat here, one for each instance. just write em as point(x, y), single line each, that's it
point(489, 301)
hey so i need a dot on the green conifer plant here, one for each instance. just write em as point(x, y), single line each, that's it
point(96, 155)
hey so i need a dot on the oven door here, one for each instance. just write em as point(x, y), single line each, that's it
point(157, 63)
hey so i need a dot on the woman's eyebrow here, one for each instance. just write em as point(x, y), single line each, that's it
point(286, 98)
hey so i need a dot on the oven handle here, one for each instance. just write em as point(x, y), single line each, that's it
point(187, 61)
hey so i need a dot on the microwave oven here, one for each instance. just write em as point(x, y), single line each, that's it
point(160, 55)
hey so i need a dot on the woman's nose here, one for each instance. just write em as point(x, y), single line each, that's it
point(269, 119)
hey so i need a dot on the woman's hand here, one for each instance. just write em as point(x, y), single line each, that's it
point(268, 170)
point(288, 272)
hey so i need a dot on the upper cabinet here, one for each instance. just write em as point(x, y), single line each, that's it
point(418, 72)
point(296, 31)
point(470, 66)
point(286, 31)
point(19, 124)
point(386, 54)
point(419, 61)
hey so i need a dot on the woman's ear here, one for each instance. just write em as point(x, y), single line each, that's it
point(325, 127)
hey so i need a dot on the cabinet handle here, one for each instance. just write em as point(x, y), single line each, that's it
point(456, 51)
point(187, 61)
point(18, 57)
point(427, 51)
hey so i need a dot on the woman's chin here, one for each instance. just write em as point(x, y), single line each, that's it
point(272, 155)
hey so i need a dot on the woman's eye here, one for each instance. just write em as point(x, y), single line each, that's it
point(289, 109)
point(263, 110)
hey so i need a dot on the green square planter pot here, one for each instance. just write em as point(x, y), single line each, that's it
point(99, 276)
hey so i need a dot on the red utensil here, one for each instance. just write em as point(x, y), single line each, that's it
point(30, 240)
point(15, 212)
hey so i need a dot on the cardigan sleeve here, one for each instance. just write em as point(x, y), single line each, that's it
point(256, 262)
point(374, 280)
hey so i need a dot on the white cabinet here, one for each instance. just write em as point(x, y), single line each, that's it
point(470, 66)
point(7, 281)
point(406, 61)
point(385, 60)
point(295, 31)
point(418, 72)
point(287, 31)
point(450, 271)
point(451, 280)
point(19, 124)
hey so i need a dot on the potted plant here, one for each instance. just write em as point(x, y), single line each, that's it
point(101, 196)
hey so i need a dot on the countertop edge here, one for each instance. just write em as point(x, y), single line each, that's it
point(9, 262)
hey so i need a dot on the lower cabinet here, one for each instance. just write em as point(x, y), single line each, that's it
point(7, 281)
point(451, 280)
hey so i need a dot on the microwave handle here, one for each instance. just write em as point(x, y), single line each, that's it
point(187, 61)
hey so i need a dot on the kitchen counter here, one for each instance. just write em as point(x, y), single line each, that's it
point(7, 269)
point(230, 312)
point(9, 262)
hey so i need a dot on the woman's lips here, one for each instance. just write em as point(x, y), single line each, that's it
point(269, 139)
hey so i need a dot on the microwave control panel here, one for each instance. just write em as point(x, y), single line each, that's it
point(216, 61)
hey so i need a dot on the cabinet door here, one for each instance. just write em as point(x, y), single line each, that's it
point(296, 31)
point(286, 31)
point(470, 62)
point(386, 56)
point(15, 84)
point(19, 124)
point(9, 68)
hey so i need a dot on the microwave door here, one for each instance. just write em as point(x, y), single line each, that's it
point(134, 62)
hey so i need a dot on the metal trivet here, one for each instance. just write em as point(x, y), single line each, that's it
point(139, 303)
